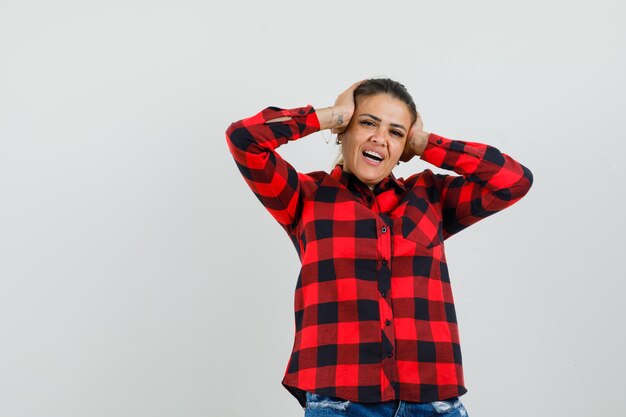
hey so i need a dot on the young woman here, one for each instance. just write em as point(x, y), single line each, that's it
point(376, 329)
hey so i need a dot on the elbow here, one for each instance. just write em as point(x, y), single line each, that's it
point(528, 176)
point(230, 131)
point(229, 134)
point(237, 138)
point(519, 189)
point(525, 182)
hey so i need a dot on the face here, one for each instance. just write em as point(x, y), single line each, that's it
point(374, 140)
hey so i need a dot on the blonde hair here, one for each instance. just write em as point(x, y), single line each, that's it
point(338, 158)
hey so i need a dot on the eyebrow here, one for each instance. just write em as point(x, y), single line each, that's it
point(378, 119)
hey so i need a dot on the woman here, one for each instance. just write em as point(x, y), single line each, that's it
point(376, 329)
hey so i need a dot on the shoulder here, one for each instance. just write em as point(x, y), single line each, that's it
point(310, 181)
point(315, 176)
point(426, 177)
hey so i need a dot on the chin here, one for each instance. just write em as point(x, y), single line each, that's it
point(369, 175)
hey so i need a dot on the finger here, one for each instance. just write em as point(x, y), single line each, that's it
point(356, 85)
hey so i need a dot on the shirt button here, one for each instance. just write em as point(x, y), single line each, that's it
point(439, 141)
point(387, 322)
point(301, 112)
point(389, 355)
point(384, 262)
point(384, 229)
point(383, 293)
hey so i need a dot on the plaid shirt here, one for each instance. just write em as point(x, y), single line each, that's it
point(374, 313)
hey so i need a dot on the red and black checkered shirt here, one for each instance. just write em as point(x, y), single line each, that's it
point(374, 313)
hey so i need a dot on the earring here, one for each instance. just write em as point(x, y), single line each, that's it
point(337, 140)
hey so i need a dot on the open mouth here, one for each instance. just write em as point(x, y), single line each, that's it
point(373, 156)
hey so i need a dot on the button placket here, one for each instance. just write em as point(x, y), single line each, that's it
point(384, 251)
point(388, 346)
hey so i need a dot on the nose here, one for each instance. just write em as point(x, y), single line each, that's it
point(378, 137)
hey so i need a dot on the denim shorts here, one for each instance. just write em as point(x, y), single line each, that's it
point(320, 405)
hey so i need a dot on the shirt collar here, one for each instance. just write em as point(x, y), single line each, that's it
point(351, 182)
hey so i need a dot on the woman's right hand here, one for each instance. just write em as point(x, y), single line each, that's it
point(337, 118)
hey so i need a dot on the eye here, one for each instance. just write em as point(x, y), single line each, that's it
point(397, 133)
point(366, 123)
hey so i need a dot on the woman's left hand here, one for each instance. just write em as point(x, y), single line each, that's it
point(416, 140)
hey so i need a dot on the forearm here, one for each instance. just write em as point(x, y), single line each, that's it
point(253, 142)
point(269, 129)
point(332, 118)
point(494, 174)
point(329, 118)
point(419, 141)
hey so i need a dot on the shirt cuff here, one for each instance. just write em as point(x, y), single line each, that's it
point(435, 150)
point(305, 118)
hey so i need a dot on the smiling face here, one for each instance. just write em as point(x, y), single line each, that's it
point(374, 140)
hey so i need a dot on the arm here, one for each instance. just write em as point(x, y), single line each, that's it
point(253, 143)
point(326, 117)
point(489, 180)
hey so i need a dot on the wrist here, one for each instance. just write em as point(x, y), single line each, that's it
point(325, 117)
point(333, 118)
point(419, 141)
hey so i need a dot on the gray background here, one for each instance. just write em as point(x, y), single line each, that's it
point(139, 276)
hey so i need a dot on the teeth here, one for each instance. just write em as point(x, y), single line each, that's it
point(376, 155)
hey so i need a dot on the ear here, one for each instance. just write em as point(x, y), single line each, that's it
point(408, 152)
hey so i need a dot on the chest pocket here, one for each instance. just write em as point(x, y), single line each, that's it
point(421, 223)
